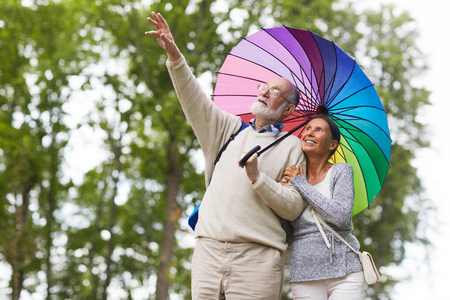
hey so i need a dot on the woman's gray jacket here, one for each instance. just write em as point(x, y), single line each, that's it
point(311, 259)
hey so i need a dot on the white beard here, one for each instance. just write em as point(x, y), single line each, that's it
point(265, 112)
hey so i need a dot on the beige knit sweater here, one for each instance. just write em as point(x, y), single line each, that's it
point(233, 209)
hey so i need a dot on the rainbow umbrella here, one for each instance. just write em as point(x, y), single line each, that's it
point(329, 81)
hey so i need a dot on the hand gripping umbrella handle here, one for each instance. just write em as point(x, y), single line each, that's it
point(248, 155)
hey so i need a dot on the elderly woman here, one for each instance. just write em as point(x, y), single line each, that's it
point(322, 267)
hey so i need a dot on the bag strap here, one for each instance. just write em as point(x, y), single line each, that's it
point(313, 212)
point(224, 147)
point(319, 221)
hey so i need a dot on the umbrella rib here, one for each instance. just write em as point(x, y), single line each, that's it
point(292, 73)
point(240, 76)
point(345, 117)
point(233, 95)
point(349, 108)
point(359, 164)
point(341, 111)
point(332, 97)
point(318, 85)
point(317, 96)
point(343, 85)
point(310, 93)
point(276, 58)
point(298, 63)
point(302, 113)
point(340, 153)
point(322, 73)
point(332, 80)
point(356, 129)
point(350, 117)
point(351, 95)
point(329, 99)
point(364, 176)
point(246, 77)
point(361, 131)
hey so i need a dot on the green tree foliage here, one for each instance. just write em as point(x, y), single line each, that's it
point(40, 50)
point(150, 146)
point(122, 230)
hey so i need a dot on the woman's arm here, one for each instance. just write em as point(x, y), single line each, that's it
point(338, 209)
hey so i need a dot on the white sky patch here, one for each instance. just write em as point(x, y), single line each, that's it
point(429, 280)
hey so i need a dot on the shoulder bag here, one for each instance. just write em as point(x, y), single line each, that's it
point(371, 274)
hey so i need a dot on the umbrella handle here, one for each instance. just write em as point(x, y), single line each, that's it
point(243, 161)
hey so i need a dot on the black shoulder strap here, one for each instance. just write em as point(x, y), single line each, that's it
point(224, 147)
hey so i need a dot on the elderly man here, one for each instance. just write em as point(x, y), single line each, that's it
point(240, 238)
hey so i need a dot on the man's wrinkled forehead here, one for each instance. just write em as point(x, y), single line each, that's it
point(279, 83)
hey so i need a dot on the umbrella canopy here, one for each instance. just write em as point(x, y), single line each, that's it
point(329, 81)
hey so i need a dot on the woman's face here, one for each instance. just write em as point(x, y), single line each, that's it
point(316, 139)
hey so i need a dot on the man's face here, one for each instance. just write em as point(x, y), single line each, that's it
point(270, 106)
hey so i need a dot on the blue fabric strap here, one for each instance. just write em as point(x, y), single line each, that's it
point(193, 218)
